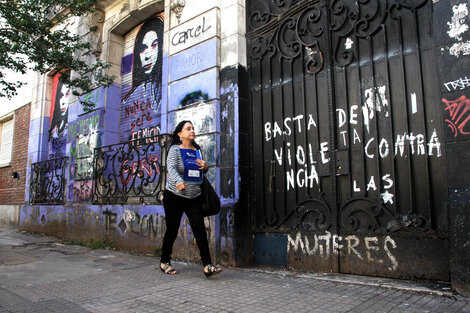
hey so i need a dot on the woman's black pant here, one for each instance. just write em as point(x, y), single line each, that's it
point(174, 207)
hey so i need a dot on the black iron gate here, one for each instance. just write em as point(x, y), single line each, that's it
point(347, 156)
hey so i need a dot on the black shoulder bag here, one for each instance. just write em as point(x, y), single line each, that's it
point(211, 201)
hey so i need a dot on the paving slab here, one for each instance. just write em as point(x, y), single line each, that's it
point(42, 274)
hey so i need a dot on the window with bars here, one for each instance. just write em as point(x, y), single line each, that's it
point(6, 143)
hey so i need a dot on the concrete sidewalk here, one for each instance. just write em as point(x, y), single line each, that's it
point(39, 274)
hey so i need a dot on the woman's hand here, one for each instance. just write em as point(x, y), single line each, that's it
point(180, 186)
point(202, 164)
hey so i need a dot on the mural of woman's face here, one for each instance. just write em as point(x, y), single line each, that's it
point(64, 100)
point(149, 51)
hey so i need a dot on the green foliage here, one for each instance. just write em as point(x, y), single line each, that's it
point(157, 251)
point(92, 244)
point(73, 242)
point(34, 34)
point(99, 244)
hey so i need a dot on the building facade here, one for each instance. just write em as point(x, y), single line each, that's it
point(100, 174)
point(336, 133)
point(14, 131)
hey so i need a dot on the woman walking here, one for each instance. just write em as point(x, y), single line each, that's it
point(183, 195)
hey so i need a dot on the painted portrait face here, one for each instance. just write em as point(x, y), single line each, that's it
point(64, 100)
point(149, 51)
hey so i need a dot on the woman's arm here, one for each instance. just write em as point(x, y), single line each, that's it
point(172, 162)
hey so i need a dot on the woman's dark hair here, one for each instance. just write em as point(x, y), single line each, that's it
point(57, 119)
point(138, 74)
point(175, 139)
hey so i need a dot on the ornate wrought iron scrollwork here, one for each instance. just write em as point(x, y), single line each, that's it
point(292, 36)
point(363, 214)
point(131, 171)
point(370, 17)
point(312, 214)
point(309, 30)
point(264, 11)
point(343, 56)
point(48, 181)
point(309, 25)
point(260, 16)
point(361, 19)
point(287, 40)
point(367, 215)
point(299, 32)
point(262, 45)
point(343, 17)
point(313, 59)
point(410, 222)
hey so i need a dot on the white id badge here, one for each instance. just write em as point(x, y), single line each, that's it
point(193, 173)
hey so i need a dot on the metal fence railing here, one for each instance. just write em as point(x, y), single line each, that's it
point(48, 181)
point(130, 172)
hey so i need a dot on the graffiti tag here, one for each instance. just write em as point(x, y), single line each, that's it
point(457, 25)
point(141, 169)
point(458, 84)
point(148, 225)
point(110, 219)
point(459, 115)
point(82, 190)
point(192, 32)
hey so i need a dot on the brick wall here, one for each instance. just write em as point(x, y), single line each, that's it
point(12, 191)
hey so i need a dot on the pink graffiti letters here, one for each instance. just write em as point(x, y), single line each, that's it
point(459, 115)
point(146, 117)
point(140, 169)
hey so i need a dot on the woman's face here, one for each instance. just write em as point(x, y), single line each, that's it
point(64, 100)
point(149, 51)
point(187, 133)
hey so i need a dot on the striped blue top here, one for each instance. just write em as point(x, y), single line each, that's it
point(175, 167)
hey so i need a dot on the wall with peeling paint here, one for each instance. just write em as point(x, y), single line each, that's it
point(130, 227)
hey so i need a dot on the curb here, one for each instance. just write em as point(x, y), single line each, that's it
point(443, 290)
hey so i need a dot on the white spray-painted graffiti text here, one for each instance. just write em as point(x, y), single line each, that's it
point(307, 157)
point(460, 48)
point(324, 246)
point(458, 84)
point(457, 25)
point(375, 100)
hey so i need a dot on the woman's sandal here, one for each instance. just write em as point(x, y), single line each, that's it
point(165, 269)
point(211, 270)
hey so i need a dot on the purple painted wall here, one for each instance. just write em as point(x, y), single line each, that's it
point(133, 227)
point(157, 92)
